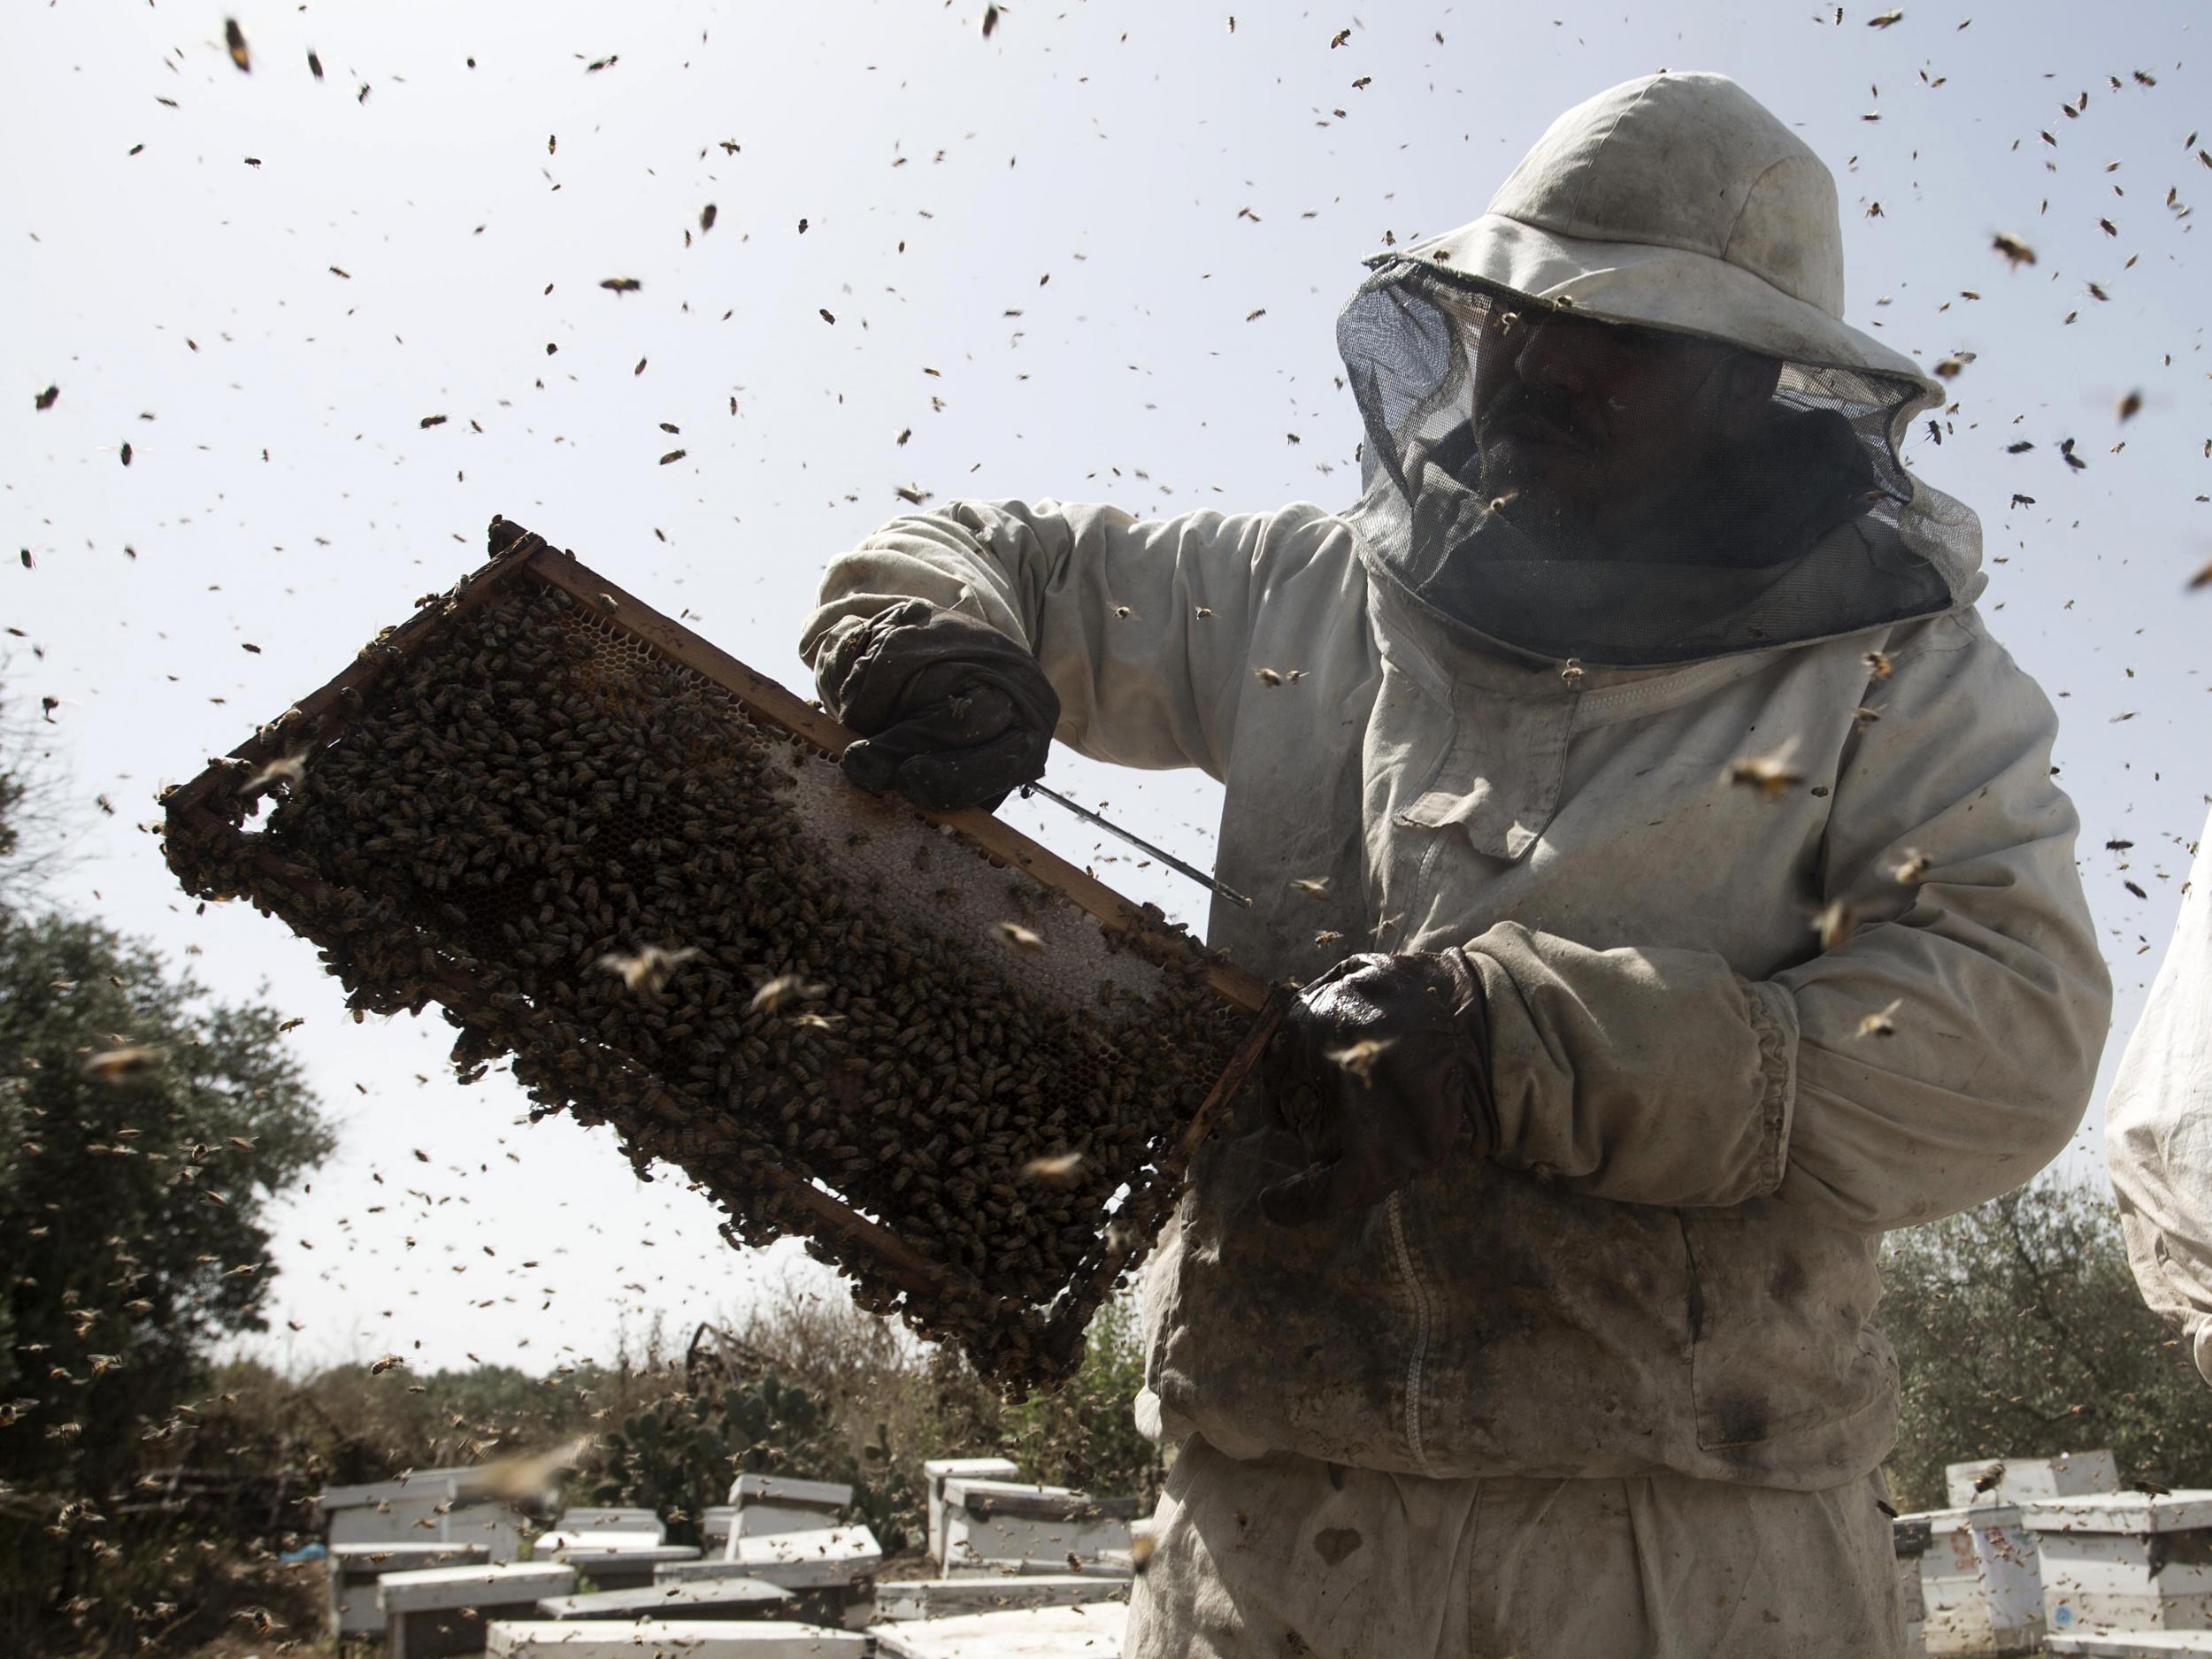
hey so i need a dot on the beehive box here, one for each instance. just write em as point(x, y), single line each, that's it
point(624, 864)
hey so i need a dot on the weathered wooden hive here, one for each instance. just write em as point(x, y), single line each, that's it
point(537, 779)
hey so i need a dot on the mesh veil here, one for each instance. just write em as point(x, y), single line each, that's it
point(1810, 529)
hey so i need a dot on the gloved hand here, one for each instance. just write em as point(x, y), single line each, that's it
point(1378, 1066)
point(951, 712)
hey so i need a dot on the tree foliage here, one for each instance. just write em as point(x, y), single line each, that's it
point(2020, 1334)
point(130, 1205)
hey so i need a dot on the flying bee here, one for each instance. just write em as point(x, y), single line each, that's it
point(1882, 1023)
point(1267, 677)
point(1570, 670)
point(1019, 938)
point(1911, 867)
point(2016, 251)
point(1878, 664)
point(1315, 888)
point(1359, 1058)
point(645, 973)
point(288, 771)
point(1771, 775)
point(1328, 936)
point(1834, 922)
point(115, 1066)
point(1863, 716)
point(1060, 1169)
point(783, 988)
point(820, 1022)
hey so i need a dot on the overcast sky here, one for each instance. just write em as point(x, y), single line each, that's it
point(1118, 234)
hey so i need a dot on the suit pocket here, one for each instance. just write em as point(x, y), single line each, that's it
point(1780, 1345)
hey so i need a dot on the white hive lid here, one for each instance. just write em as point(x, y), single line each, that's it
point(2138, 1512)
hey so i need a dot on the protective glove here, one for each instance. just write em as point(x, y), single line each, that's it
point(951, 712)
point(1378, 1067)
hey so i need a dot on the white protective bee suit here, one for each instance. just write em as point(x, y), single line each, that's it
point(2158, 1125)
point(1614, 1388)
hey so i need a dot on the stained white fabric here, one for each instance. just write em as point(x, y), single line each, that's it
point(1287, 1556)
point(1668, 1264)
point(2158, 1125)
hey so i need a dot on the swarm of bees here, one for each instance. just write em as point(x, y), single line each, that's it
point(600, 867)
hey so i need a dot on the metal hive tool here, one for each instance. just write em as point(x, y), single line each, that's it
point(537, 772)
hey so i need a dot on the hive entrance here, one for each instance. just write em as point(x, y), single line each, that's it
point(537, 775)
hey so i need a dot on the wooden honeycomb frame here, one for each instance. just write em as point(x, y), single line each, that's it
point(201, 832)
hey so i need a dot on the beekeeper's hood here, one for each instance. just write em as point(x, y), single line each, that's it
point(1671, 208)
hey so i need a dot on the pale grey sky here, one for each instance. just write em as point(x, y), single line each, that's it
point(1054, 221)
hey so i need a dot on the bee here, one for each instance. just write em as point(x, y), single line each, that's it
point(1950, 368)
point(1911, 867)
point(647, 972)
point(1339, 38)
point(784, 987)
point(1205, 611)
point(820, 1022)
point(288, 770)
point(1878, 664)
point(1060, 1169)
point(1863, 716)
point(1315, 888)
point(1771, 775)
point(2130, 406)
point(235, 39)
point(1328, 936)
point(1359, 1058)
point(1570, 670)
point(1882, 1023)
point(390, 1362)
point(621, 284)
point(1834, 922)
point(2016, 251)
point(115, 1066)
point(1123, 612)
point(1019, 938)
point(1267, 676)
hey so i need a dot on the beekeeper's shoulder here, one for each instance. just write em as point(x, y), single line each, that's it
point(1954, 655)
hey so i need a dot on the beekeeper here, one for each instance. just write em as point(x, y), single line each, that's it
point(2158, 1125)
point(1712, 910)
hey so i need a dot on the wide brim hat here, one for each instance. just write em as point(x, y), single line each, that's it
point(1677, 201)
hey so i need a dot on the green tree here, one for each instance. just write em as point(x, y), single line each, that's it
point(2020, 1334)
point(131, 1190)
point(1083, 1434)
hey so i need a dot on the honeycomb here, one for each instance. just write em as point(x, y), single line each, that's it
point(533, 795)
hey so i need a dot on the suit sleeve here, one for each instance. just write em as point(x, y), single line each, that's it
point(1144, 627)
point(1659, 1076)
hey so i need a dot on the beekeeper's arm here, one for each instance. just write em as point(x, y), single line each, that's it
point(1940, 1056)
point(1657, 1076)
point(1141, 627)
point(2158, 1125)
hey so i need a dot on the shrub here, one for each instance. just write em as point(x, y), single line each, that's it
point(2020, 1334)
